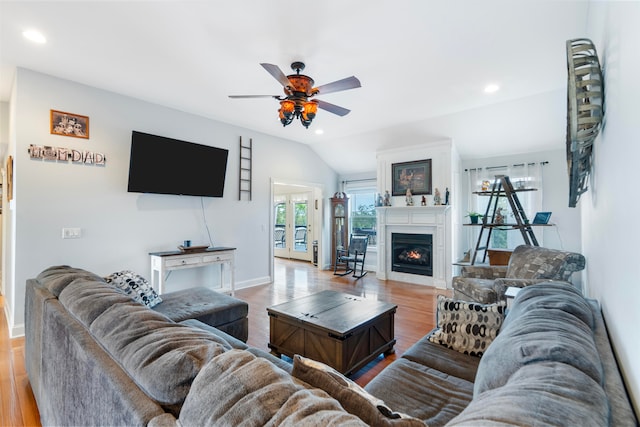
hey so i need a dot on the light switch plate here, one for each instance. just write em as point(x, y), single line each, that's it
point(71, 233)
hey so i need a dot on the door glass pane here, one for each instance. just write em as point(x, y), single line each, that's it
point(279, 232)
point(301, 222)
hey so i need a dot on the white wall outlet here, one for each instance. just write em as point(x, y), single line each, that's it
point(71, 233)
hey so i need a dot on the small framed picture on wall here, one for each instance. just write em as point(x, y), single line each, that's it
point(414, 176)
point(68, 124)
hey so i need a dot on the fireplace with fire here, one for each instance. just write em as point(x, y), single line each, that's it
point(412, 253)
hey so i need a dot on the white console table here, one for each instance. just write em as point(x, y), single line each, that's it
point(163, 262)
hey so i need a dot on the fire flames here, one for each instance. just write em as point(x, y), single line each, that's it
point(414, 256)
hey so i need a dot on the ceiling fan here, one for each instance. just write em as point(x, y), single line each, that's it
point(299, 90)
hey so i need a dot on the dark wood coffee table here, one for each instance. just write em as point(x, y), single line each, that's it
point(341, 330)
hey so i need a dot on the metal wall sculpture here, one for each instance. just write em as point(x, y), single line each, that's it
point(585, 112)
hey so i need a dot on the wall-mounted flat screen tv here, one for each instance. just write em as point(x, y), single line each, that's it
point(169, 166)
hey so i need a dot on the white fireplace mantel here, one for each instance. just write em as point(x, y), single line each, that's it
point(434, 220)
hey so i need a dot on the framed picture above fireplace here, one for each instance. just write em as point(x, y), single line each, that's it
point(415, 176)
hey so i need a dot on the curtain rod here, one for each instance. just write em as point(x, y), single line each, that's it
point(506, 166)
point(358, 180)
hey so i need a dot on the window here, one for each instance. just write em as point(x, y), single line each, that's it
point(362, 210)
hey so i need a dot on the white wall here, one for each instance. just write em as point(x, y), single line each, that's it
point(609, 209)
point(119, 229)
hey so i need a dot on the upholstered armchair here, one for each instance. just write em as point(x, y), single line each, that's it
point(528, 265)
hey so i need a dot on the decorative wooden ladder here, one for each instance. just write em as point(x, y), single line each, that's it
point(502, 187)
point(244, 175)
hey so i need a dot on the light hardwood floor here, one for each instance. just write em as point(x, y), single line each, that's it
point(17, 405)
point(292, 279)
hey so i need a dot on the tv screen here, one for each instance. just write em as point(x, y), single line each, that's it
point(170, 166)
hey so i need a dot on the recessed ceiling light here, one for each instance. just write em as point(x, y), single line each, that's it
point(34, 36)
point(491, 88)
point(319, 131)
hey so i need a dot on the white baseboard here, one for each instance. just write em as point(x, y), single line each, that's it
point(15, 331)
point(265, 280)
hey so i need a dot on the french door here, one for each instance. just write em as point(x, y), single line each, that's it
point(292, 226)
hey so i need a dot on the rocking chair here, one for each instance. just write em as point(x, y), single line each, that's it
point(351, 257)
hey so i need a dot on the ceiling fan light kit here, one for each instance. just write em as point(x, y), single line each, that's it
point(298, 89)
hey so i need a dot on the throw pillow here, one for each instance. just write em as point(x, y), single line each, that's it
point(136, 286)
point(467, 327)
point(353, 398)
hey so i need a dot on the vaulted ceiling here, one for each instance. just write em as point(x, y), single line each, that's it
point(423, 65)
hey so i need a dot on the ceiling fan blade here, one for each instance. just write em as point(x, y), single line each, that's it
point(253, 96)
point(344, 84)
point(277, 73)
point(332, 108)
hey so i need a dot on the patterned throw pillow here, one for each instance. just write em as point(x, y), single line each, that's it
point(467, 327)
point(135, 286)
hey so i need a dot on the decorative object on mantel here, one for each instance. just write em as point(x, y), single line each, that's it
point(423, 202)
point(414, 176)
point(298, 88)
point(446, 196)
point(387, 198)
point(66, 154)
point(409, 197)
point(68, 124)
point(585, 112)
point(379, 201)
point(437, 199)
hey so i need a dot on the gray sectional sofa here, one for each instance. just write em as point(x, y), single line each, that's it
point(96, 357)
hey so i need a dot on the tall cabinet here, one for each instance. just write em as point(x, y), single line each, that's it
point(339, 223)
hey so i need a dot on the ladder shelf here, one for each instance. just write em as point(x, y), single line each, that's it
point(502, 187)
point(246, 163)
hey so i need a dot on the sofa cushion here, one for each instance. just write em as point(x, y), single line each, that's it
point(551, 393)
point(161, 356)
point(56, 278)
point(421, 391)
point(203, 304)
point(539, 334)
point(86, 299)
point(442, 358)
point(554, 296)
point(351, 396)
point(467, 327)
point(474, 289)
point(134, 285)
point(238, 388)
point(233, 341)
